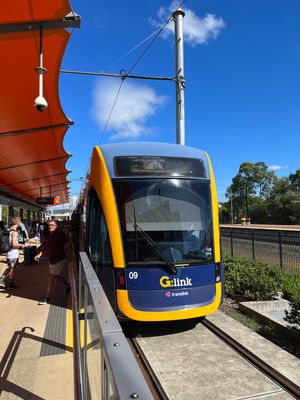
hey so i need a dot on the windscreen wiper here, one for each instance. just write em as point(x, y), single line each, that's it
point(171, 267)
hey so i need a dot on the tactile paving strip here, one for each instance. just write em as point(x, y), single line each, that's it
point(54, 341)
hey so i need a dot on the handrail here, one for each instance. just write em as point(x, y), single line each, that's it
point(121, 377)
point(77, 373)
point(77, 370)
point(124, 375)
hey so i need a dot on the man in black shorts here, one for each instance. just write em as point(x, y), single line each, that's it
point(56, 248)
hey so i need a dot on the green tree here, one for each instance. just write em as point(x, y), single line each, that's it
point(264, 180)
point(283, 203)
point(294, 181)
point(259, 193)
point(251, 185)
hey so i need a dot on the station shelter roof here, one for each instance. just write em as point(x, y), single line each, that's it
point(32, 156)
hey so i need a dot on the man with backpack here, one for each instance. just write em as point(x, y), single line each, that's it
point(12, 253)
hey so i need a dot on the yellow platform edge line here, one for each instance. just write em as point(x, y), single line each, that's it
point(69, 326)
point(69, 330)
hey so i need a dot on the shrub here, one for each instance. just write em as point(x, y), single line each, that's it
point(290, 286)
point(249, 280)
point(293, 316)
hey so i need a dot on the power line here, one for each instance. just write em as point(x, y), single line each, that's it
point(119, 76)
point(156, 32)
point(132, 50)
point(155, 37)
point(111, 111)
point(126, 74)
point(133, 66)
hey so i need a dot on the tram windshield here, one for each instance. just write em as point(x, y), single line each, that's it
point(175, 213)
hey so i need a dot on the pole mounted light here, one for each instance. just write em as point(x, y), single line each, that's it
point(40, 102)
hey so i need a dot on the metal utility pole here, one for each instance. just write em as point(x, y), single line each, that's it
point(231, 207)
point(247, 206)
point(180, 125)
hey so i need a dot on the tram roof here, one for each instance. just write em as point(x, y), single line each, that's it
point(158, 149)
point(32, 156)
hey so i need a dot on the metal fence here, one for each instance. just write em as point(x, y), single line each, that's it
point(275, 247)
point(105, 367)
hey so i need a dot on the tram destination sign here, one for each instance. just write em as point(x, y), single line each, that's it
point(45, 200)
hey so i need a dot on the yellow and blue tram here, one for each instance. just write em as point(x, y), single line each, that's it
point(151, 230)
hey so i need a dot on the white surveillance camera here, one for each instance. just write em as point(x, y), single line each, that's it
point(40, 103)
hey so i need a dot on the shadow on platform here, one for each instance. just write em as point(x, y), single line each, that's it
point(10, 356)
point(32, 282)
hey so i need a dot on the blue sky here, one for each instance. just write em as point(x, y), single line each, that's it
point(242, 97)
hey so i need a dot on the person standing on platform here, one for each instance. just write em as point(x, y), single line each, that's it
point(56, 248)
point(12, 256)
point(42, 230)
point(23, 233)
point(2, 226)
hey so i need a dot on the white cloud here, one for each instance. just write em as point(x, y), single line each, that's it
point(276, 167)
point(135, 104)
point(196, 30)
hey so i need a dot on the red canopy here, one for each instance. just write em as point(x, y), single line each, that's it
point(32, 157)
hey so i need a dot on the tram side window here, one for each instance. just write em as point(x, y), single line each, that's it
point(99, 248)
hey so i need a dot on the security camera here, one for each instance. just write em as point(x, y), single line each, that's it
point(40, 103)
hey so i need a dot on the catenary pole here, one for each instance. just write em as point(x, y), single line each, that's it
point(180, 125)
point(231, 206)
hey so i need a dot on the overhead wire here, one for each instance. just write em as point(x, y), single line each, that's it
point(135, 64)
point(155, 37)
point(111, 111)
point(133, 49)
point(156, 33)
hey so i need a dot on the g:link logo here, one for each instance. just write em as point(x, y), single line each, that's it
point(166, 282)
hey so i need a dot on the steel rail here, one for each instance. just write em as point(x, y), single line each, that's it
point(144, 364)
point(257, 362)
point(147, 367)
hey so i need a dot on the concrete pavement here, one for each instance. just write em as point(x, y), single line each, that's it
point(26, 371)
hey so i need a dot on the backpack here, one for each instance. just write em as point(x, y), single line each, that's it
point(5, 244)
point(21, 235)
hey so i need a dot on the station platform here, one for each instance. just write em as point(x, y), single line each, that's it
point(36, 340)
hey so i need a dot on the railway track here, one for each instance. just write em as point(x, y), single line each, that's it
point(148, 373)
point(153, 362)
point(281, 380)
